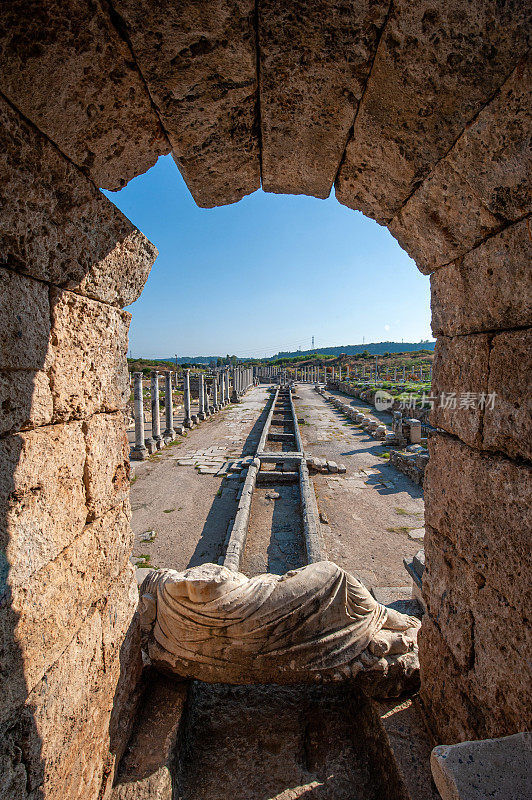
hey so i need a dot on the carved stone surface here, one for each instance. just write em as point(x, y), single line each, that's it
point(25, 314)
point(312, 78)
point(199, 62)
point(507, 423)
point(432, 225)
point(460, 368)
point(313, 624)
point(72, 74)
point(431, 75)
point(488, 289)
point(58, 228)
point(87, 354)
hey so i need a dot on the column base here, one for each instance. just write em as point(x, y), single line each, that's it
point(201, 415)
point(139, 453)
point(195, 418)
point(188, 423)
point(151, 445)
point(169, 434)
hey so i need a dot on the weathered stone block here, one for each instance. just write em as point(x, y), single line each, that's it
point(88, 370)
point(507, 420)
point(200, 65)
point(448, 589)
point(312, 78)
point(25, 315)
point(460, 377)
point(53, 602)
point(73, 75)
point(481, 184)
point(443, 220)
point(145, 770)
point(488, 698)
point(489, 288)
point(461, 717)
point(493, 153)
point(498, 768)
point(107, 465)
point(25, 400)
point(430, 77)
point(42, 496)
point(122, 647)
point(58, 228)
point(481, 503)
point(80, 688)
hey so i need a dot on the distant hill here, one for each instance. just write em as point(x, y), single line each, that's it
point(373, 348)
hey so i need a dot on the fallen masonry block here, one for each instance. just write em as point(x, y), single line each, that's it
point(342, 468)
point(496, 768)
point(332, 466)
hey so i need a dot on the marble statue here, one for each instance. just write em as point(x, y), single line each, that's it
point(317, 623)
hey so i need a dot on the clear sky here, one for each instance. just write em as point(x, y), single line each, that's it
point(265, 274)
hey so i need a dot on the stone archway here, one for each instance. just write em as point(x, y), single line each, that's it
point(418, 115)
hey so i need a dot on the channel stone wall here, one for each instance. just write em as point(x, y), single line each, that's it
point(70, 659)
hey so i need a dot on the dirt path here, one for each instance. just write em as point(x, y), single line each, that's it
point(375, 513)
point(189, 512)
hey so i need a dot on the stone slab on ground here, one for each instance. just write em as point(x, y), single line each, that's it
point(498, 769)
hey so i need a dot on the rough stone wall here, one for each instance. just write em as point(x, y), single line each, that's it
point(69, 661)
point(467, 225)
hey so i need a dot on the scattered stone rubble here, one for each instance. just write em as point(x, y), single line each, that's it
point(411, 459)
point(316, 464)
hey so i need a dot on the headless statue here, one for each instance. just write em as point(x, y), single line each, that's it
point(313, 624)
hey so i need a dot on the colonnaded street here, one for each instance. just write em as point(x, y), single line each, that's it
point(371, 514)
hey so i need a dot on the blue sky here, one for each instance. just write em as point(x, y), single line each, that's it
point(265, 274)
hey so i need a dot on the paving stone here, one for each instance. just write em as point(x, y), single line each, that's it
point(207, 470)
point(417, 533)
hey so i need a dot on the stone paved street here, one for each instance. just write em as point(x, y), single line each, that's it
point(374, 511)
point(184, 496)
point(186, 509)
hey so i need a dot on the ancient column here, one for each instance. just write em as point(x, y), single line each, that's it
point(140, 451)
point(201, 396)
point(155, 437)
point(186, 398)
point(215, 393)
point(169, 432)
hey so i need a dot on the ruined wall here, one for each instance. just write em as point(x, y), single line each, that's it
point(467, 225)
point(69, 664)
